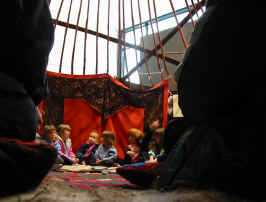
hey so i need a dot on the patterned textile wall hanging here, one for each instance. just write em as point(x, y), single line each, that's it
point(106, 94)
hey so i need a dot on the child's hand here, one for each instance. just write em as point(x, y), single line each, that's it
point(83, 163)
point(151, 160)
point(130, 153)
point(75, 160)
point(98, 162)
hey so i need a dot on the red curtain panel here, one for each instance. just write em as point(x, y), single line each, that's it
point(121, 121)
point(100, 102)
point(83, 118)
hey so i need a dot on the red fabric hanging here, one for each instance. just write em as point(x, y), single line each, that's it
point(83, 114)
point(83, 118)
point(66, 86)
point(120, 123)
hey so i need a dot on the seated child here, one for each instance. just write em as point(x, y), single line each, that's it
point(87, 151)
point(65, 149)
point(106, 153)
point(155, 145)
point(132, 151)
point(50, 136)
point(152, 149)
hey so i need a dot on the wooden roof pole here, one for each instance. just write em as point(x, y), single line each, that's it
point(115, 40)
point(135, 42)
point(189, 12)
point(200, 5)
point(108, 36)
point(161, 46)
point(194, 8)
point(85, 39)
point(165, 40)
point(143, 45)
point(124, 41)
point(64, 42)
point(119, 40)
point(75, 40)
point(59, 12)
point(154, 42)
point(178, 26)
point(97, 36)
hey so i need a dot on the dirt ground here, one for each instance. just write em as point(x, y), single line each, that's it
point(55, 190)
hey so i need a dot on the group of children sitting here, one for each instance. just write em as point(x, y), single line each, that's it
point(100, 149)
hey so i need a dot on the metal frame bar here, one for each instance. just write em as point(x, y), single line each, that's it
point(160, 18)
point(166, 39)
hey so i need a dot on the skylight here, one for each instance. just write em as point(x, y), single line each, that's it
point(83, 58)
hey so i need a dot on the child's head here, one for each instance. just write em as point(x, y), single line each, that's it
point(134, 136)
point(64, 131)
point(93, 138)
point(49, 133)
point(158, 135)
point(108, 138)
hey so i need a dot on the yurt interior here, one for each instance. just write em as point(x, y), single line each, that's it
point(131, 100)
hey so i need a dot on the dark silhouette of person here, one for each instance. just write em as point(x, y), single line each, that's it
point(26, 39)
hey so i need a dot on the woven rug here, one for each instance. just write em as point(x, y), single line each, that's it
point(90, 180)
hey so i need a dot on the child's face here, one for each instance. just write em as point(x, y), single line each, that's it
point(132, 139)
point(65, 134)
point(52, 136)
point(93, 139)
point(105, 142)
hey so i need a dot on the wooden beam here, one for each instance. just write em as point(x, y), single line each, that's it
point(75, 40)
point(165, 40)
point(143, 44)
point(85, 39)
point(115, 40)
point(154, 42)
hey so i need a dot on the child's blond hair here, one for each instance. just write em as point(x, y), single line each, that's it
point(95, 132)
point(109, 137)
point(136, 133)
point(48, 129)
point(62, 128)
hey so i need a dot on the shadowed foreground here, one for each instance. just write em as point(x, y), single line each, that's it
point(56, 190)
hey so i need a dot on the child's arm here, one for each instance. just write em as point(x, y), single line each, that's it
point(58, 148)
point(71, 153)
point(81, 151)
point(135, 156)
